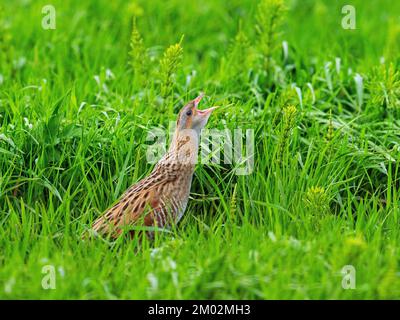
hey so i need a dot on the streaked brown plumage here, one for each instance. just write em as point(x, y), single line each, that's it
point(160, 199)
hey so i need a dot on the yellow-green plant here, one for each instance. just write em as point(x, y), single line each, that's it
point(238, 59)
point(288, 96)
point(6, 48)
point(233, 204)
point(169, 64)
point(330, 133)
point(288, 123)
point(269, 17)
point(138, 55)
point(384, 87)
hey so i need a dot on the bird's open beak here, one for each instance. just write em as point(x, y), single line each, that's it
point(198, 99)
point(204, 112)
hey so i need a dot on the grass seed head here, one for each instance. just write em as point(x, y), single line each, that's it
point(289, 122)
point(269, 17)
point(316, 200)
point(169, 65)
point(138, 54)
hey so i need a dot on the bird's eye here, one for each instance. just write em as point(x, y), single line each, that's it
point(189, 113)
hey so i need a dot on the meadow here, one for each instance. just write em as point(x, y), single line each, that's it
point(318, 216)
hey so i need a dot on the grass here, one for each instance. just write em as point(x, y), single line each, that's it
point(323, 194)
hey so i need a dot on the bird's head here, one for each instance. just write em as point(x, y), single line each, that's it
point(191, 118)
point(191, 121)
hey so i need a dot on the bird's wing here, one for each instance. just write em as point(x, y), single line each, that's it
point(140, 204)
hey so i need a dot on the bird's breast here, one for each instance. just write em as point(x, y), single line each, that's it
point(176, 196)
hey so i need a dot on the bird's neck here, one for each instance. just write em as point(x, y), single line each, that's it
point(184, 147)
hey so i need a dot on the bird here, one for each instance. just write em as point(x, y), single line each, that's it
point(160, 199)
